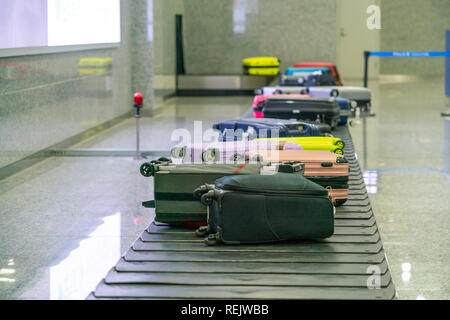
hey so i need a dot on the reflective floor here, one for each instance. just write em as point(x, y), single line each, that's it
point(65, 221)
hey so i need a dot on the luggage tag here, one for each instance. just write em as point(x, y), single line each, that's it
point(269, 170)
point(330, 189)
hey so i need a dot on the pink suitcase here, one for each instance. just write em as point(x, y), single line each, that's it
point(325, 168)
point(226, 152)
point(257, 107)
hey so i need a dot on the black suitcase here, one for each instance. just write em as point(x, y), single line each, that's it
point(317, 80)
point(262, 208)
point(310, 109)
point(292, 81)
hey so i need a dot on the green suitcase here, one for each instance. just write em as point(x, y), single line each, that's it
point(174, 184)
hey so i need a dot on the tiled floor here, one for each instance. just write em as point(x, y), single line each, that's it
point(66, 221)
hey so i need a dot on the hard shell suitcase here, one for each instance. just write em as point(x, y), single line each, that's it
point(347, 109)
point(311, 109)
point(307, 80)
point(331, 66)
point(90, 66)
point(282, 90)
point(306, 70)
point(173, 185)
point(258, 103)
point(262, 66)
point(362, 96)
point(253, 128)
point(322, 167)
point(331, 144)
point(258, 209)
point(316, 80)
point(292, 81)
point(356, 96)
point(347, 106)
point(224, 151)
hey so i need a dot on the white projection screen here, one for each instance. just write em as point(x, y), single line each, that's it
point(37, 23)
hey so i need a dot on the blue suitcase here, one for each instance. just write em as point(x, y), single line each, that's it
point(347, 109)
point(254, 128)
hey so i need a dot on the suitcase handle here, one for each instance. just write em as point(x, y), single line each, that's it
point(201, 191)
point(208, 197)
point(257, 158)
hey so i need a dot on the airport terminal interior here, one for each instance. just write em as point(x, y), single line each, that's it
point(74, 136)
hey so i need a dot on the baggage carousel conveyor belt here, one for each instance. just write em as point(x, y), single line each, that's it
point(172, 263)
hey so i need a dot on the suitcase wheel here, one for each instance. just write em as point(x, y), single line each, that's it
point(211, 240)
point(207, 198)
point(147, 169)
point(202, 231)
point(340, 144)
point(339, 151)
point(341, 160)
point(340, 202)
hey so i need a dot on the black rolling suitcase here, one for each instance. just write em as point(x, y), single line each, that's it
point(258, 209)
point(310, 109)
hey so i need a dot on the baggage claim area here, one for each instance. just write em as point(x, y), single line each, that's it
point(195, 150)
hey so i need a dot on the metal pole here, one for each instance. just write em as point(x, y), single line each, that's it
point(364, 122)
point(366, 67)
point(364, 127)
point(138, 155)
point(138, 103)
